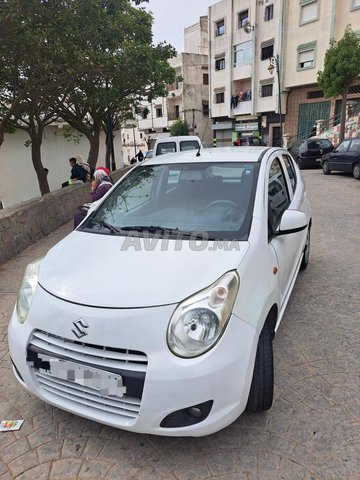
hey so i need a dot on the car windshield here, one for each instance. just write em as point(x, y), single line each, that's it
point(215, 199)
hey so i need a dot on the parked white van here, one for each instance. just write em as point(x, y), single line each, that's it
point(176, 144)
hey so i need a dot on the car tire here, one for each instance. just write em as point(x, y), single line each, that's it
point(305, 259)
point(262, 385)
point(356, 171)
point(299, 163)
point(325, 167)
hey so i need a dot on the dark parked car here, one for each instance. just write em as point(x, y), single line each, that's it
point(251, 141)
point(345, 158)
point(308, 153)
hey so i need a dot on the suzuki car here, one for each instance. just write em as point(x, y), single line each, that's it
point(167, 328)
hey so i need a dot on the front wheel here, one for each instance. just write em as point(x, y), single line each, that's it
point(356, 171)
point(262, 385)
point(306, 255)
point(325, 167)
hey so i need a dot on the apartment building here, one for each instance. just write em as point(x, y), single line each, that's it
point(309, 27)
point(244, 96)
point(188, 96)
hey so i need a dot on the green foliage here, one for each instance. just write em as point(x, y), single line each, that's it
point(179, 127)
point(342, 65)
point(77, 60)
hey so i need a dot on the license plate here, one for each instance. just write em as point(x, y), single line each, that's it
point(107, 384)
point(318, 159)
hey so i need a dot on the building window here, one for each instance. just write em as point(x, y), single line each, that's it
point(159, 112)
point(205, 79)
point(220, 64)
point(205, 108)
point(267, 90)
point(267, 52)
point(269, 13)
point(141, 135)
point(177, 111)
point(315, 94)
point(145, 113)
point(242, 53)
point(219, 28)
point(354, 4)
point(354, 89)
point(306, 56)
point(220, 97)
point(309, 11)
point(243, 18)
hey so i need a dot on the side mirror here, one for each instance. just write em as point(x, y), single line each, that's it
point(292, 221)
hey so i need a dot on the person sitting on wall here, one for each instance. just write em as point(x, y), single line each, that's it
point(78, 173)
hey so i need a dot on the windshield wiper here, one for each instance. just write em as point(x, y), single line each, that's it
point(104, 223)
point(164, 230)
point(150, 229)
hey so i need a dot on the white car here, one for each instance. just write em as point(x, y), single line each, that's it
point(167, 327)
point(176, 144)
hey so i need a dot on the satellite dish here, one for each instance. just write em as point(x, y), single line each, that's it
point(248, 27)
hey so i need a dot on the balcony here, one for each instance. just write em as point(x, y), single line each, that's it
point(241, 103)
point(243, 108)
point(242, 71)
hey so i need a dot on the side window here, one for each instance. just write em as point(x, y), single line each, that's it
point(290, 170)
point(355, 145)
point(278, 195)
point(343, 146)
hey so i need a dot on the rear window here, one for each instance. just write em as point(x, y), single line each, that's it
point(165, 147)
point(188, 145)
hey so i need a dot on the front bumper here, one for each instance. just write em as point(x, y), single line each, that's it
point(132, 342)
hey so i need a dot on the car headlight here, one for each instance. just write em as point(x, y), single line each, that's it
point(27, 290)
point(199, 321)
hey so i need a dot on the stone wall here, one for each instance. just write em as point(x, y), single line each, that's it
point(24, 224)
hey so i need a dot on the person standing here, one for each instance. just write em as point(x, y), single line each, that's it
point(140, 156)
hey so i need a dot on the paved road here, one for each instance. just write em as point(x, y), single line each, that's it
point(313, 429)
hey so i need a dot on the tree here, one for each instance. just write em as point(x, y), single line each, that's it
point(341, 68)
point(36, 70)
point(179, 127)
point(80, 61)
point(116, 40)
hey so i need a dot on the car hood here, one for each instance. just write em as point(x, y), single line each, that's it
point(98, 270)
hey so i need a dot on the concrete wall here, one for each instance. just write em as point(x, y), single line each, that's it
point(18, 180)
point(24, 224)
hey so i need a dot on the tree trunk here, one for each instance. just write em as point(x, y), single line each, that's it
point(343, 116)
point(1, 137)
point(36, 160)
point(107, 153)
point(94, 141)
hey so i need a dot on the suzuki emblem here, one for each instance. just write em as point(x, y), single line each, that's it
point(80, 326)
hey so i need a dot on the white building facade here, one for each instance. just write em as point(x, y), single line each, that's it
point(188, 96)
point(244, 97)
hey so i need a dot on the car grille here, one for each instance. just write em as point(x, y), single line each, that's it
point(130, 364)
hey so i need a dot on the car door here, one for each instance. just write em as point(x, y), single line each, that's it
point(280, 197)
point(336, 160)
point(352, 155)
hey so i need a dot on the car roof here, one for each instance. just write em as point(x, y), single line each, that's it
point(222, 154)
